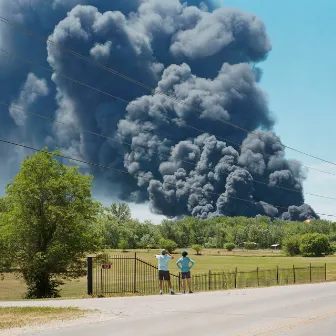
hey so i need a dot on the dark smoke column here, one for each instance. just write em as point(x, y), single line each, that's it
point(204, 175)
point(207, 57)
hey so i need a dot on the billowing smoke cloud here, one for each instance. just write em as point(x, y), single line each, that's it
point(182, 158)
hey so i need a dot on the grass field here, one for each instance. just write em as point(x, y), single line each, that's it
point(215, 260)
point(17, 317)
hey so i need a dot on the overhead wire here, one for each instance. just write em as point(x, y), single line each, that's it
point(155, 152)
point(127, 173)
point(183, 124)
point(134, 81)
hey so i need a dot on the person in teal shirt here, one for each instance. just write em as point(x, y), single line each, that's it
point(185, 264)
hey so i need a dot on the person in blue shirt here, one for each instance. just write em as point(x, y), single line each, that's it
point(185, 264)
point(164, 274)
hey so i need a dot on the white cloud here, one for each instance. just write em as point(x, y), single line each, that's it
point(322, 184)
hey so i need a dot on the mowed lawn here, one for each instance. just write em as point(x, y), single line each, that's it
point(12, 288)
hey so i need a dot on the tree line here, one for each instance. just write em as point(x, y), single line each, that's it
point(215, 233)
point(49, 223)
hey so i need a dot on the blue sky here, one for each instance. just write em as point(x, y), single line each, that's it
point(299, 75)
point(300, 79)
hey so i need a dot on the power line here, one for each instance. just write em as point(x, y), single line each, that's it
point(127, 173)
point(129, 144)
point(134, 81)
point(134, 103)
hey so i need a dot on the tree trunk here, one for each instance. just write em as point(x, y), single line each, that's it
point(40, 286)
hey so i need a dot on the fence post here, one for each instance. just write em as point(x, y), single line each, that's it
point(89, 276)
point(325, 272)
point(294, 274)
point(209, 279)
point(235, 279)
point(277, 274)
point(135, 273)
point(310, 272)
point(258, 275)
point(101, 279)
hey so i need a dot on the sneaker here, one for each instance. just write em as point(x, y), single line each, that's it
point(172, 293)
point(160, 293)
point(191, 292)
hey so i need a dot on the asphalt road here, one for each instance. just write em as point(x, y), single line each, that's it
point(308, 310)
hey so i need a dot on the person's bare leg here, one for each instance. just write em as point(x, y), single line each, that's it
point(189, 285)
point(161, 286)
point(184, 285)
point(170, 287)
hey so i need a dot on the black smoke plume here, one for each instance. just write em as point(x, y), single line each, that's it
point(184, 159)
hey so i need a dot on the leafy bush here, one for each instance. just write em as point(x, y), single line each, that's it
point(230, 246)
point(291, 245)
point(250, 246)
point(197, 248)
point(168, 245)
point(315, 244)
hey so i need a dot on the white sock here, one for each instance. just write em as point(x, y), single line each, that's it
point(160, 291)
point(171, 290)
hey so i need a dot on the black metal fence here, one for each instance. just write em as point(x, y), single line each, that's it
point(126, 274)
point(259, 278)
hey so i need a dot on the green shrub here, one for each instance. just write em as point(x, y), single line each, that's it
point(230, 246)
point(168, 245)
point(198, 248)
point(291, 245)
point(315, 244)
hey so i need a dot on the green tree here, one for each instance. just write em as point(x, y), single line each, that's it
point(230, 246)
point(120, 212)
point(168, 245)
point(315, 244)
point(211, 243)
point(110, 232)
point(197, 248)
point(291, 245)
point(50, 223)
point(3, 205)
point(147, 242)
point(5, 261)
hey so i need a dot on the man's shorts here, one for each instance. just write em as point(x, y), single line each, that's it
point(164, 275)
point(186, 275)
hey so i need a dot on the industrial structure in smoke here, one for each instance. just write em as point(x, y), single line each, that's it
point(183, 158)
